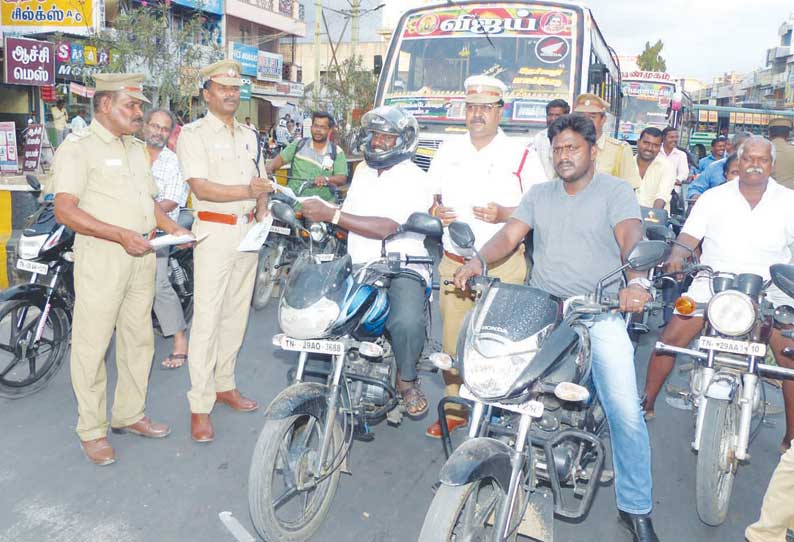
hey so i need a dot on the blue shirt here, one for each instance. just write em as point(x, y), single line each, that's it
point(706, 161)
point(713, 176)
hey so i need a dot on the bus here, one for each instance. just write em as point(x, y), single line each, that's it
point(653, 99)
point(540, 50)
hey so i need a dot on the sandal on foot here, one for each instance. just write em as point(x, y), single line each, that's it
point(174, 361)
point(416, 403)
point(647, 414)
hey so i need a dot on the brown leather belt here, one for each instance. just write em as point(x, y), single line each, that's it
point(223, 218)
point(454, 257)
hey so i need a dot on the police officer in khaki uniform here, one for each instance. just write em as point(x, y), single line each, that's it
point(779, 132)
point(220, 161)
point(104, 191)
point(614, 157)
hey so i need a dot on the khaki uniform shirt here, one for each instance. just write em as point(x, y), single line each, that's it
point(110, 175)
point(784, 163)
point(208, 149)
point(59, 118)
point(615, 158)
point(658, 182)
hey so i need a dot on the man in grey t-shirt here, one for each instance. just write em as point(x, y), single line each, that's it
point(583, 226)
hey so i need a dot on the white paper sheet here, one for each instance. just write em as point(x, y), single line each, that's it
point(256, 236)
point(168, 240)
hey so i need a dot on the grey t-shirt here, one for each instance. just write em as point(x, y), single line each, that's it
point(574, 237)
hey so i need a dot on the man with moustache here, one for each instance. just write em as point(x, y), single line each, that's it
point(554, 110)
point(744, 226)
point(220, 161)
point(104, 191)
point(479, 177)
point(656, 173)
point(584, 227)
point(173, 191)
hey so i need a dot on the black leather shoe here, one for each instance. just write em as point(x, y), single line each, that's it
point(640, 526)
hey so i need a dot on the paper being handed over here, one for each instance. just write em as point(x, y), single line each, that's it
point(256, 236)
point(168, 240)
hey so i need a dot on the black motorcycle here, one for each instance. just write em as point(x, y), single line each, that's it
point(535, 445)
point(35, 318)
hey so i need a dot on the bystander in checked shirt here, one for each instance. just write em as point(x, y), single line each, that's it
point(169, 181)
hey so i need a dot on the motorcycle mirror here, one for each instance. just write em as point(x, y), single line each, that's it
point(283, 212)
point(647, 254)
point(656, 232)
point(783, 277)
point(784, 315)
point(424, 224)
point(461, 234)
point(33, 182)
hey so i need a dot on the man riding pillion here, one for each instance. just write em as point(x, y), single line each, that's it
point(745, 227)
point(583, 227)
point(316, 159)
point(385, 191)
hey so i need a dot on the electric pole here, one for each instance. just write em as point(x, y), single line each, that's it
point(318, 15)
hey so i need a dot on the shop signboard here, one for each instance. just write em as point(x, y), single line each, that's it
point(31, 148)
point(8, 147)
point(245, 90)
point(29, 62)
point(269, 66)
point(247, 56)
point(75, 17)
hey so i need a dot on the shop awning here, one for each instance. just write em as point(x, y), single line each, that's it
point(275, 102)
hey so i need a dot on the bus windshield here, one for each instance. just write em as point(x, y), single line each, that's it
point(531, 48)
point(646, 104)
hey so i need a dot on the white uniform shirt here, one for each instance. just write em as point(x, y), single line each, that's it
point(678, 158)
point(738, 239)
point(543, 148)
point(467, 178)
point(396, 194)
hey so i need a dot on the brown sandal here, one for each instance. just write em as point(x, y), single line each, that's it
point(416, 403)
point(178, 360)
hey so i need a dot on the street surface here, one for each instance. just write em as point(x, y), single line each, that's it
point(175, 489)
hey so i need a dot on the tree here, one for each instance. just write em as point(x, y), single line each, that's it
point(348, 86)
point(169, 48)
point(650, 60)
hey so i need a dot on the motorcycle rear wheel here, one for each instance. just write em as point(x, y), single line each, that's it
point(464, 512)
point(716, 465)
point(27, 368)
point(287, 449)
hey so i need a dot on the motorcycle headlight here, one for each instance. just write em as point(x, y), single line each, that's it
point(318, 232)
point(310, 322)
point(30, 246)
point(731, 313)
point(491, 367)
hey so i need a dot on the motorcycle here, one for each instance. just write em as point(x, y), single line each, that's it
point(36, 317)
point(286, 242)
point(725, 392)
point(535, 445)
point(327, 309)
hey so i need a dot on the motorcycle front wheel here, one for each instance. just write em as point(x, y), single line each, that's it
point(26, 366)
point(466, 512)
point(266, 276)
point(716, 466)
point(286, 501)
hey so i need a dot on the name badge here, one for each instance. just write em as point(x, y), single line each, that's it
point(113, 162)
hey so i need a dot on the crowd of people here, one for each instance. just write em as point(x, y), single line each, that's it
point(578, 192)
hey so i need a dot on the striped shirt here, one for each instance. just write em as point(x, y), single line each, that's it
point(169, 181)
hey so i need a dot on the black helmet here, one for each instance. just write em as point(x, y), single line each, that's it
point(391, 120)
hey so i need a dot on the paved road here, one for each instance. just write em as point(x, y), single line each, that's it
point(174, 489)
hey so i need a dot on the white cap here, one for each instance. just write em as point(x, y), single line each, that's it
point(484, 89)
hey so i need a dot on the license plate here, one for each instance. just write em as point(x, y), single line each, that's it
point(315, 346)
point(530, 408)
point(734, 347)
point(32, 267)
point(324, 257)
point(281, 230)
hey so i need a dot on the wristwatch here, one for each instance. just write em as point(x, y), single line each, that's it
point(327, 180)
point(642, 282)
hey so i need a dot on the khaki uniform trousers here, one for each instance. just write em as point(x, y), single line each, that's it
point(113, 290)
point(777, 512)
point(455, 304)
point(223, 285)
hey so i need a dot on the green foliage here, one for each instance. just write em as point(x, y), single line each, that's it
point(169, 48)
point(650, 60)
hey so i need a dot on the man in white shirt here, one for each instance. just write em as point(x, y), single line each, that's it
point(656, 174)
point(745, 227)
point(554, 110)
point(480, 178)
point(385, 191)
point(675, 155)
point(78, 123)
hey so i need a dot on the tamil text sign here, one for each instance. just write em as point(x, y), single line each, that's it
point(31, 148)
point(269, 66)
point(39, 16)
point(29, 62)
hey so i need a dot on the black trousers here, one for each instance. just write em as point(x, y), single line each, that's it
point(406, 323)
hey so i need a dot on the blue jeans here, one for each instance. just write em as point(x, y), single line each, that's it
point(616, 385)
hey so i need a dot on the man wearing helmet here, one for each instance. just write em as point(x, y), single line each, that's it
point(385, 191)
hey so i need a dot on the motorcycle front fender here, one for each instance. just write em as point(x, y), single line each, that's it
point(299, 399)
point(722, 388)
point(478, 459)
point(36, 294)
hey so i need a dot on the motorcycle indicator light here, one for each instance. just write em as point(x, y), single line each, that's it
point(441, 360)
point(277, 338)
point(370, 350)
point(574, 393)
point(685, 305)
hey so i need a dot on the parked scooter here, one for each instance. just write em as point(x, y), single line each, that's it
point(535, 444)
point(327, 309)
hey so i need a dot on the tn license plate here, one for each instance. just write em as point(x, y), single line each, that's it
point(732, 346)
point(32, 267)
point(315, 346)
point(530, 408)
point(281, 230)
